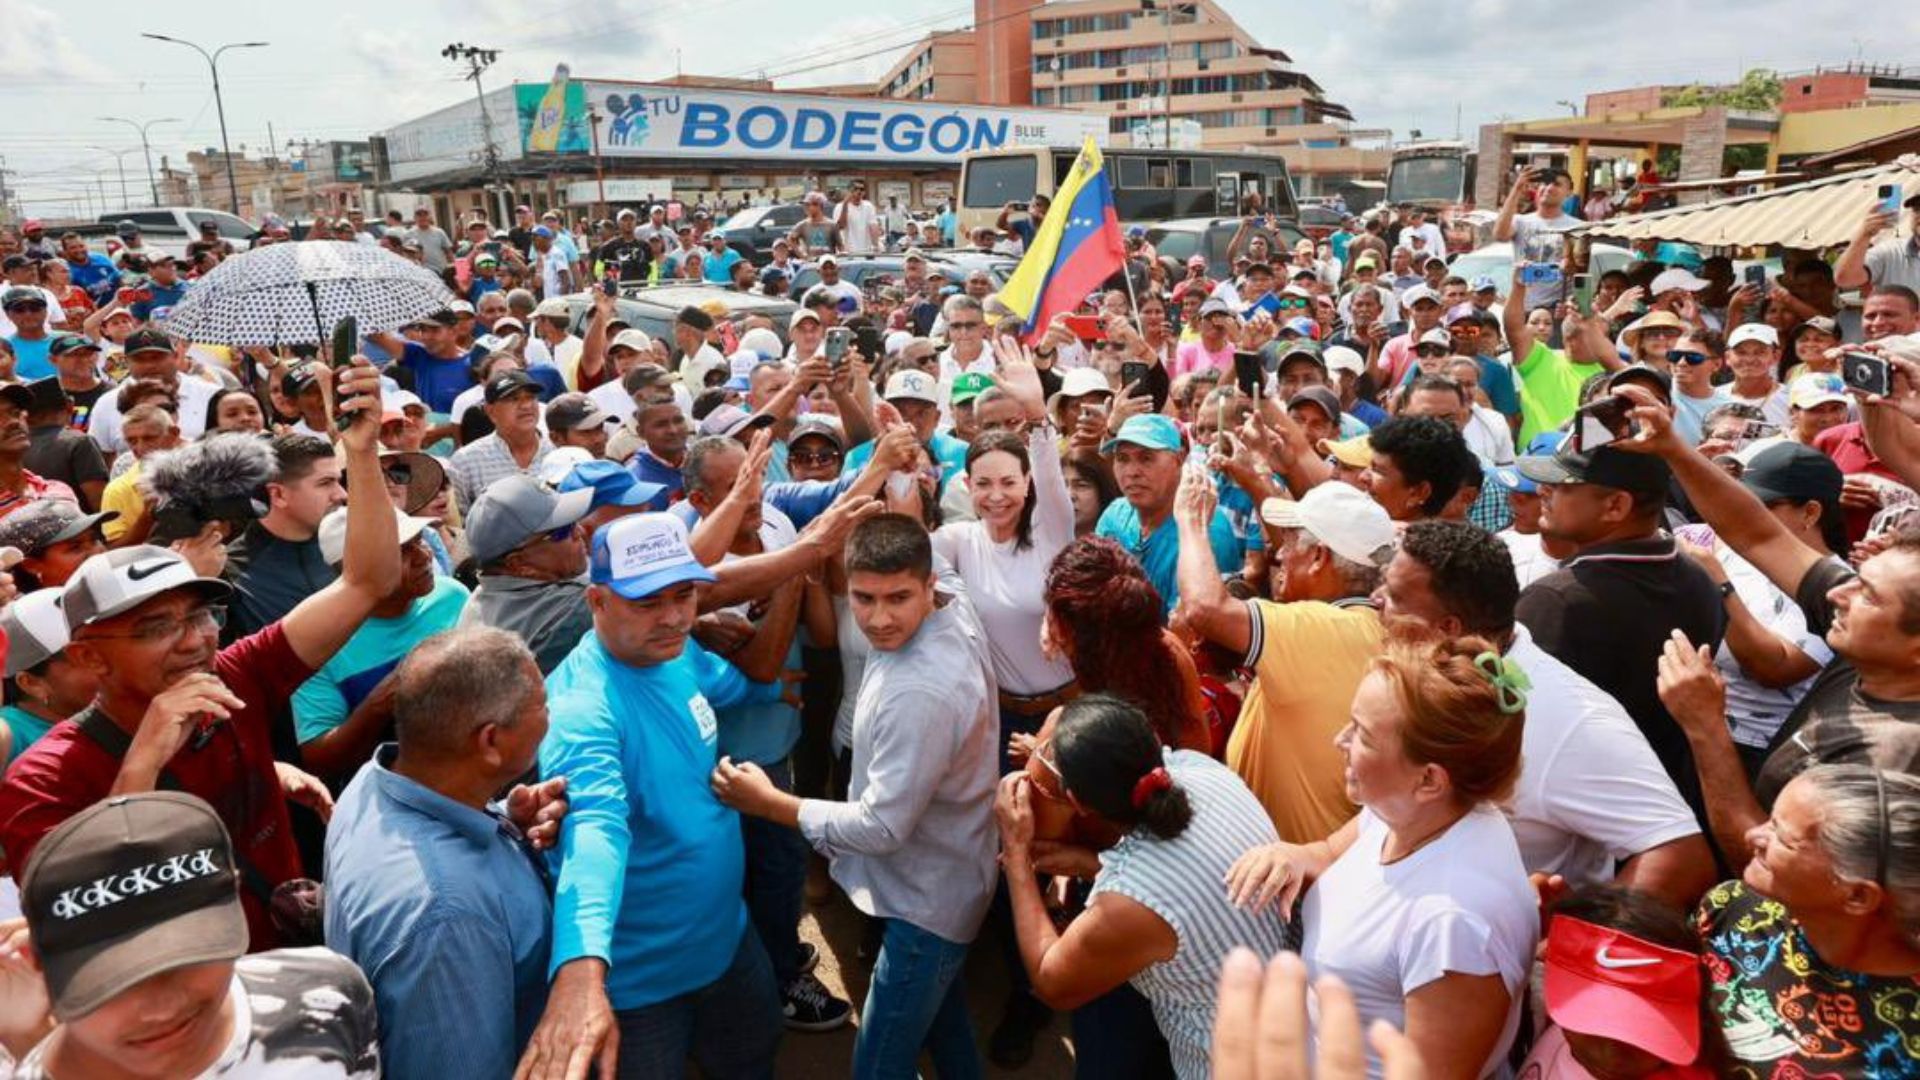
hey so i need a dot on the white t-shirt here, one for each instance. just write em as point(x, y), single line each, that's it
point(1773, 407)
point(859, 234)
point(553, 267)
point(1755, 712)
point(565, 357)
point(1460, 904)
point(1530, 560)
point(193, 394)
point(1591, 791)
point(1489, 436)
point(1007, 585)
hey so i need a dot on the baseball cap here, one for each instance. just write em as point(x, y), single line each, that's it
point(1509, 477)
point(299, 379)
point(733, 421)
point(485, 260)
point(1317, 395)
point(1793, 471)
point(1216, 306)
point(771, 274)
point(18, 394)
point(515, 509)
point(1436, 336)
point(543, 231)
point(558, 464)
point(96, 934)
point(460, 307)
point(1342, 517)
point(1152, 431)
point(1754, 331)
point(553, 307)
point(763, 342)
point(740, 367)
point(1658, 381)
point(1606, 467)
point(1354, 453)
point(1341, 358)
point(827, 259)
point(575, 411)
point(1484, 283)
point(912, 385)
point(1676, 278)
point(44, 522)
point(695, 318)
point(115, 582)
point(636, 340)
point(36, 630)
point(1461, 313)
point(421, 473)
point(332, 534)
point(967, 386)
point(1298, 350)
point(1418, 294)
point(1301, 326)
point(800, 315)
point(1606, 982)
point(62, 344)
point(125, 227)
point(1816, 388)
point(1366, 262)
point(642, 554)
point(826, 427)
point(402, 400)
point(610, 483)
point(506, 384)
point(16, 295)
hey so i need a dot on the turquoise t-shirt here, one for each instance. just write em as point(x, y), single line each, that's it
point(950, 452)
point(325, 701)
point(1159, 554)
point(32, 359)
point(25, 727)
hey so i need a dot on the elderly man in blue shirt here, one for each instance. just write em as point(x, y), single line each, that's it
point(1148, 453)
point(435, 892)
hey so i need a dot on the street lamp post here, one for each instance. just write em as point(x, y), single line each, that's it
point(213, 64)
point(120, 162)
point(152, 185)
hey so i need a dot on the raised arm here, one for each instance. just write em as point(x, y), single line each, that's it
point(1205, 603)
point(593, 345)
point(1513, 318)
point(1851, 271)
point(1503, 225)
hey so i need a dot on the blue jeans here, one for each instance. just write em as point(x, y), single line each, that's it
point(776, 881)
point(916, 999)
point(1115, 1037)
point(730, 1027)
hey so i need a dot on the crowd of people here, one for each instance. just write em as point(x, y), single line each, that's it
point(1536, 675)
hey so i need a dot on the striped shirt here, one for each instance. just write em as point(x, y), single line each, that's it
point(475, 466)
point(1180, 880)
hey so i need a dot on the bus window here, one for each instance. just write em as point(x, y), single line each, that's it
point(1062, 165)
point(1183, 172)
point(993, 182)
point(1159, 174)
point(1202, 173)
point(1133, 172)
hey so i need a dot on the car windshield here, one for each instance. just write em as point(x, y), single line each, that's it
point(746, 219)
point(1178, 246)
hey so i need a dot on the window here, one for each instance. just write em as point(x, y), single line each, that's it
point(993, 182)
point(1043, 97)
point(1133, 172)
point(1160, 174)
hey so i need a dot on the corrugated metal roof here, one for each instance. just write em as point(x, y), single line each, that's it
point(1817, 214)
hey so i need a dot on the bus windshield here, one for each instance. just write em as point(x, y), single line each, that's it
point(993, 182)
point(1427, 179)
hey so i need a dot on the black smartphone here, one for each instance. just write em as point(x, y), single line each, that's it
point(1866, 373)
point(1757, 276)
point(1579, 283)
point(870, 342)
point(1602, 421)
point(1247, 371)
point(610, 285)
point(346, 341)
point(1132, 373)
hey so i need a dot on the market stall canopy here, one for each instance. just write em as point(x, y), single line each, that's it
point(1817, 214)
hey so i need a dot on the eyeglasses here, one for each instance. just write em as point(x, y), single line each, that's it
point(821, 457)
point(1043, 759)
point(204, 620)
point(965, 325)
point(1689, 357)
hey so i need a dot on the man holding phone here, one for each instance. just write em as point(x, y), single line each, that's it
point(1537, 236)
point(1867, 264)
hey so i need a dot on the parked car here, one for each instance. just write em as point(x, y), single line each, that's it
point(169, 228)
point(866, 271)
point(1320, 222)
point(752, 231)
point(1495, 260)
point(1182, 238)
point(999, 266)
point(651, 308)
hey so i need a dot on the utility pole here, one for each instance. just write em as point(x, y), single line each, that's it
point(479, 60)
point(119, 160)
point(220, 105)
point(153, 187)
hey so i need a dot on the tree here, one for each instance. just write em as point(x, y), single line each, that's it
point(1758, 90)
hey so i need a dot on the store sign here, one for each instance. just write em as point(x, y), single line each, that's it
point(623, 190)
point(452, 138)
point(637, 120)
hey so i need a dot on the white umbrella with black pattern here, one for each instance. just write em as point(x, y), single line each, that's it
point(293, 293)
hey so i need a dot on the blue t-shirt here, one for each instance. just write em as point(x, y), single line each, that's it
point(1159, 554)
point(649, 864)
point(651, 470)
point(950, 452)
point(1367, 413)
point(481, 287)
point(326, 699)
point(97, 275)
point(31, 359)
point(719, 268)
point(164, 297)
point(437, 381)
point(26, 729)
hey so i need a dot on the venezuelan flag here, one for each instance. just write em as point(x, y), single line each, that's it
point(1077, 247)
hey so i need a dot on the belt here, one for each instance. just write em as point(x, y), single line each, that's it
point(1038, 704)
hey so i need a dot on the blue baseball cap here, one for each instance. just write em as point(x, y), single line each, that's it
point(642, 554)
point(542, 230)
point(1152, 431)
point(612, 484)
point(1509, 477)
point(1546, 442)
point(1485, 283)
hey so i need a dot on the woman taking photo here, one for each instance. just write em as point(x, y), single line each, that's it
point(1155, 917)
point(1813, 957)
point(1420, 903)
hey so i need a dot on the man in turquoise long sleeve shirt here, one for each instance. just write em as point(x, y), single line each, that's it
point(649, 924)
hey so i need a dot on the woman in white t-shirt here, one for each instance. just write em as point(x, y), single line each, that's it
point(1421, 903)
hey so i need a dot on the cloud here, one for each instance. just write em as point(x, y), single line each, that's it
point(35, 45)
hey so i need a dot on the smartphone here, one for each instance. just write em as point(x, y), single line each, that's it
point(872, 345)
point(838, 338)
point(1579, 283)
point(1602, 421)
point(491, 247)
point(1757, 276)
point(1087, 327)
point(1540, 274)
point(1019, 206)
point(1867, 373)
point(610, 285)
point(1889, 198)
point(1132, 373)
point(346, 338)
point(1248, 371)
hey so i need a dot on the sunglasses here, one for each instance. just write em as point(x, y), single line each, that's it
point(964, 325)
point(1432, 350)
point(1689, 357)
point(817, 457)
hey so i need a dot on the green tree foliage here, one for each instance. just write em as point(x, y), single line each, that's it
point(1758, 91)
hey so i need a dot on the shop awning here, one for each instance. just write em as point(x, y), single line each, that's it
point(1817, 214)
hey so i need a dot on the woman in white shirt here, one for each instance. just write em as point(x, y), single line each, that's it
point(1421, 903)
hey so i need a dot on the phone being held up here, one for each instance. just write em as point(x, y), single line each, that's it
point(346, 340)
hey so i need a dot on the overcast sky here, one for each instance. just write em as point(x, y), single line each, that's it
point(347, 68)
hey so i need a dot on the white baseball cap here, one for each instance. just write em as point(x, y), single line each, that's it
point(800, 315)
point(36, 630)
point(1341, 358)
point(912, 385)
point(1436, 336)
point(764, 343)
point(1754, 331)
point(641, 554)
point(553, 307)
point(1342, 517)
point(1676, 278)
point(637, 340)
point(333, 533)
point(557, 464)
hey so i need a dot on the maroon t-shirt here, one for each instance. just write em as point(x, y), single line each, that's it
point(1846, 444)
point(66, 770)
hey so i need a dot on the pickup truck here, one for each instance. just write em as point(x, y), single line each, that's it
point(168, 228)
